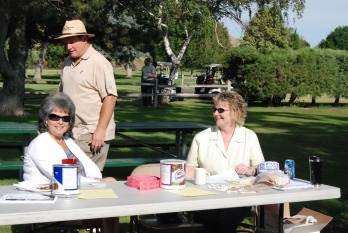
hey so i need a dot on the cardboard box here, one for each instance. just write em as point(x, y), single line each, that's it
point(322, 221)
point(271, 216)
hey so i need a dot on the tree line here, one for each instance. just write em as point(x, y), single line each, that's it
point(270, 72)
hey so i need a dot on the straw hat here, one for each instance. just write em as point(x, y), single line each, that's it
point(74, 28)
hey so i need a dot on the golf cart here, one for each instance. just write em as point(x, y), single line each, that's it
point(210, 75)
point(167, 79)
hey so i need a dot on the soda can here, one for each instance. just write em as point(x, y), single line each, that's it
point(289, 168)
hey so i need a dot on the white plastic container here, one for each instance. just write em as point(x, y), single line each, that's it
point(268, 165)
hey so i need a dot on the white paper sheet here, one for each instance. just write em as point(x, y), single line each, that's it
point(224, 177)
point(295, 185)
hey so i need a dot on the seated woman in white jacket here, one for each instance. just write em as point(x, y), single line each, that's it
point(54, 143)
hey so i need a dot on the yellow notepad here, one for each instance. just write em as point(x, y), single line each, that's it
point(192, 192)
point(96, 194)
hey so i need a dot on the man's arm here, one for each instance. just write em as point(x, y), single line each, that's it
point(107, 109)
point(153, 73)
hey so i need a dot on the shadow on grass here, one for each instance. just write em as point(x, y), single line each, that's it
point(284, 132)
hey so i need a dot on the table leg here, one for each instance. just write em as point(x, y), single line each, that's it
point(177, 143)
point(184, 144)
point(281, 216)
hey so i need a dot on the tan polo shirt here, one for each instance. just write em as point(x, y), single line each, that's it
point(87, 83)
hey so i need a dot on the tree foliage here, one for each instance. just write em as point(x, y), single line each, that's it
point(296, 42)
point(267, 30)
point(178, 21)
point(124, 29)
point(267, 72)
point(55, 55)
point(338, 39)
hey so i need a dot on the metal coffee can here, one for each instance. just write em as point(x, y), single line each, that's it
point(173, 174)
point(289, 168)
point(65, 179)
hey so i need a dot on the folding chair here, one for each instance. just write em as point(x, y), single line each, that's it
point(153, 224)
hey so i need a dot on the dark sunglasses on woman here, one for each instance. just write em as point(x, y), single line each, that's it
point(220, 110)
point(54, 117)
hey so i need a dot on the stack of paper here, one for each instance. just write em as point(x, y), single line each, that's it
point(224, 177)
point(295, 185)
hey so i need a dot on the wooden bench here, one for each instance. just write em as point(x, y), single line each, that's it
point(11, 165)
point(162, 145)
point(113, 144)
point(11, 145)
point(121, 162)
point(131, 162)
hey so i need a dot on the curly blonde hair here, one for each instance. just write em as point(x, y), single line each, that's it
point(235, 103)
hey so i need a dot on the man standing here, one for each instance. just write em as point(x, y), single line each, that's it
point(88, 78)
point(148, 75)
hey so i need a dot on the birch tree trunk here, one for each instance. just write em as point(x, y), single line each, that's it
point(128, 71)
point(39, 67)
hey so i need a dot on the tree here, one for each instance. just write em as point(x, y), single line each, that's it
point(266, 72)
point(39, 67)
point(181, 19)
point(118, 24)
point(341, 81)
point(117, 32)
point(25, 23)
point(338, 39)
point(12, 64)
point(296, 42)
point(267, 30)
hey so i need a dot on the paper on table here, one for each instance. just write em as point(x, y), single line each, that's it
point(27, 198)
point(224, 177)
point(192, 192)
point(88, 180)
point(295, 185)
point(97, 194)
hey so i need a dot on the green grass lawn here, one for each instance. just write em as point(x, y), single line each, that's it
point(284, 132)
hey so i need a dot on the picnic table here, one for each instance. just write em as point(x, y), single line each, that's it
point(181, 129)
point(22, 128)
point(131, 201)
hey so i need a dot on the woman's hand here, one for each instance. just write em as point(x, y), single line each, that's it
point(242, 169)
point(190, 172)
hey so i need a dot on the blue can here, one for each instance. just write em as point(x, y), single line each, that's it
point(66, 179)
point(289, 168)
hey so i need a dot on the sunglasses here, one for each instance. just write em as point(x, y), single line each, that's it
point(220, 110)
point(54, 117)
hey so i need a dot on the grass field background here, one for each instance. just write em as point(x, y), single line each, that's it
point(284, 132)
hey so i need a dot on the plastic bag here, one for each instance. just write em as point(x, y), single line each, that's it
point(273, 178)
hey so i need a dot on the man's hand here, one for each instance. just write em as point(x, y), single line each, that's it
point(98, 139)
